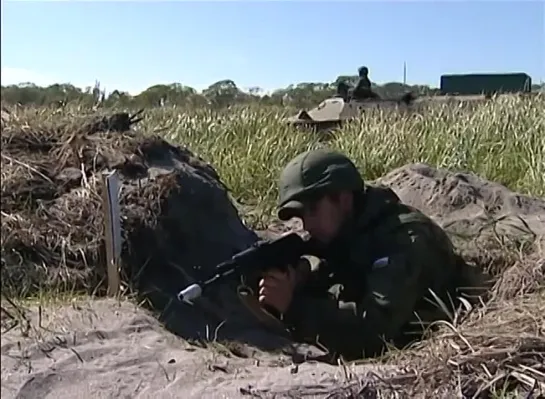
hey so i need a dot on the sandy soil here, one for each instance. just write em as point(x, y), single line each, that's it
point(111, 349)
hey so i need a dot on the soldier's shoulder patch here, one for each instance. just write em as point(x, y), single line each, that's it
point(380, 263)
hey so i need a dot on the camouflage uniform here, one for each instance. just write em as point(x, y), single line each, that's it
point(380, 270)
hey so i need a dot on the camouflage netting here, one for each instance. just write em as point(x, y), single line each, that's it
point(177, 215)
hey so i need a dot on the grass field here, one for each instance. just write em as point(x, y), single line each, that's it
point(501, 140)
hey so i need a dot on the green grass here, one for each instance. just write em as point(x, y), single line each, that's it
point(502, 140)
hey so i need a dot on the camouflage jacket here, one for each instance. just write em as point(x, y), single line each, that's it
point(384, 281)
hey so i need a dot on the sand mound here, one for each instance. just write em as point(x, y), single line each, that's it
point(463, 199)
point(176, 216)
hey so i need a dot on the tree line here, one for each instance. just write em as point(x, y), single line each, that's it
point(218, 95)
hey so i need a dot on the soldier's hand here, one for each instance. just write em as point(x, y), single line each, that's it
point(276, 288)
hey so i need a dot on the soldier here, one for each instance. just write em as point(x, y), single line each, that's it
point(362, 90)
point(389, 270)
point(343, 90)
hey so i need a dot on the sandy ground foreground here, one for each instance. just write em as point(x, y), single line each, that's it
point(112, 349)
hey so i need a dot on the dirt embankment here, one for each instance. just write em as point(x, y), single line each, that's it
point(176, 216)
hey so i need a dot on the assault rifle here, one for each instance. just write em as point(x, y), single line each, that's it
point(267, 254)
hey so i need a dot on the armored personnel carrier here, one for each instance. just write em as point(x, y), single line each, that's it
point(333, 111)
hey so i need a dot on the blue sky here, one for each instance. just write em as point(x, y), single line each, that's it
point(271, 44)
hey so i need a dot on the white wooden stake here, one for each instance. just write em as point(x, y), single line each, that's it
point(112, 229)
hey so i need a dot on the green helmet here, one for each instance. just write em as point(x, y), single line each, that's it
point(310, 175)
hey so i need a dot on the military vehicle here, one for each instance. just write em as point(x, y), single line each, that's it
point(485, 84)
point(333, 111)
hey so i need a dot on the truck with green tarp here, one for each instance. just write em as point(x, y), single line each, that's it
point(485, 84)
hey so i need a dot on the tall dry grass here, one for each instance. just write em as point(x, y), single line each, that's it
point(502, 140)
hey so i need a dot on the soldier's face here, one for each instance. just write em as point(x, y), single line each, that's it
point(323, 218)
